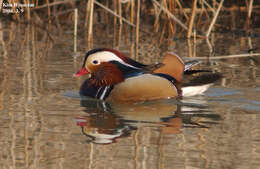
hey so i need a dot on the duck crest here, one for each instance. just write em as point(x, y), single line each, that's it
point(125, 59)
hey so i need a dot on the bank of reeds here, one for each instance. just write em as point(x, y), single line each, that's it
point(194, 18)
point(190, 19)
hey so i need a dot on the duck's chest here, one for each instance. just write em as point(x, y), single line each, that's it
point(143, 87)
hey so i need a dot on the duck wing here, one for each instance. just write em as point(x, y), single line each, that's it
point(172, 65)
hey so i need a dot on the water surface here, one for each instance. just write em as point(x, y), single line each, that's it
point(44, 123)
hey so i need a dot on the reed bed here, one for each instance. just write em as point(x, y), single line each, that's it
point(166, 15)
point(193, 19)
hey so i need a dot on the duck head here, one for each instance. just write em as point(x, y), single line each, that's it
point(107, 66)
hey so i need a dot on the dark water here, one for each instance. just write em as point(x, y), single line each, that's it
point(44, 123)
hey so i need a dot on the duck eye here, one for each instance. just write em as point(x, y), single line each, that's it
point(95, 62)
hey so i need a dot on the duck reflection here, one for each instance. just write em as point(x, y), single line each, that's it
point(102, 128)
point(106, 122)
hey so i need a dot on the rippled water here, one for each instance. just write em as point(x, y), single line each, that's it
point(45, 124)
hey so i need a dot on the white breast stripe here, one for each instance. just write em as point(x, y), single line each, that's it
point(104, 93)
point(98, 92)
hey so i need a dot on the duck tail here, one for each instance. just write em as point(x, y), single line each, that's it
point(190, 72)
point(199, 84)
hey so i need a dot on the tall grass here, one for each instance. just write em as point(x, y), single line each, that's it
point(193, 18)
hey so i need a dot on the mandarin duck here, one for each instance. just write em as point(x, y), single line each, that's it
point(116, 77)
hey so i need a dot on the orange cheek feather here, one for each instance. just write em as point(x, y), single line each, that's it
point(106, 74)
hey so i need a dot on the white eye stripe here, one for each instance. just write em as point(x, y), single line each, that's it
point(106, 56)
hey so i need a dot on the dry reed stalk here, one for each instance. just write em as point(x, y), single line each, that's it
point(127, 11)
point(171, 27)
point(194, 43)
point(250, 45)
point(189, 45)
point(120, 12)
point(132, 49)
point(250, 8)
point(165, 4)
point(49, 11)
point(90, 26)
point(1, 5)
point(201, 13)
point(215, 18)
point(87, 14)
point(208, 5)
point(199, 10)
point(171, 15)
point(115, 22)
point(228, 9)
point(137, 29)
point(214, 4)
point(240, 8)
point(62, 12)
point(233, 14)
point(157, 14)
point(120, 21)
point(210, 47)
point(106, 13)
point(75, 28)
point(56, 20)
point(107, 18)
point(165, 17)
point(28, 10)
point(54, 3)
point(113, 13)
point(126, 7)
point(192, 18)
point(162, 32)
point(181, 10)
point(132, 11)
point(206, 11)
point(132, 19)
point(1, 31)
point(223, 57)
point(2, 37)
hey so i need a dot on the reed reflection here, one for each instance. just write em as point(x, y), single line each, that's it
point(107, 123)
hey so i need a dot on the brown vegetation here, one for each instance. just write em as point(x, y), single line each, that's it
point(196, 18)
